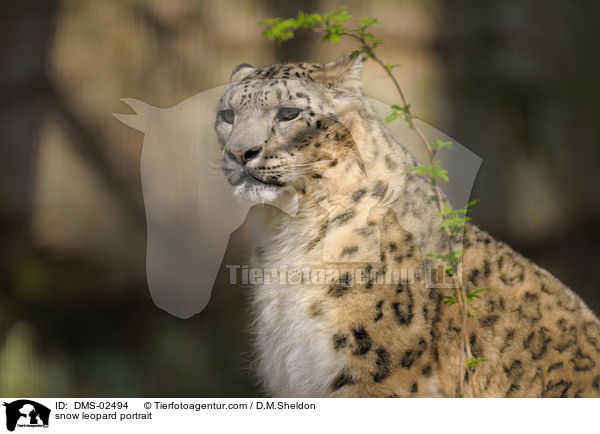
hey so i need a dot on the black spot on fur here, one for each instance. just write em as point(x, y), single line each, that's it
point(342, 380)
point(358, 194)
point(381, 272)
point(403, 311)
point(473, 276)
point(591, 331)
point(414, 388)
point(345, 279)
point(567, 337)
point(379, 189)
point(363, 341)
point(596, 382)
point(344, 217)
point(557, 389)
point(567, 302)
point(554, 366)
point(301, 94)
point(510, 336)
point(426, 370)
point(338, 290)
point(409, 356)
point(512, 272)
point(379, 310)
point(316, 309)
point(390, 163)
point(486, 269)
point(476, 349)
point(349, 251)
point(514, 372)
point(340, 340)
point(322, 231)
point(511, 390)
point(537, 343)
point(367, 274)
point(489, 321)
point(382, 364)
point(436, 300)
point(582, 362)
point(530, 308)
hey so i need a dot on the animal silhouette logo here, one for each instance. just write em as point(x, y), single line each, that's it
point(26, 413)
point(190, 209)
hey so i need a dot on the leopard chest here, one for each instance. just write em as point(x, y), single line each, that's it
point(296, 315)
point(294, 351)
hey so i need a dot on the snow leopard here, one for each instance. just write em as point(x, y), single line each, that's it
point(307, 129)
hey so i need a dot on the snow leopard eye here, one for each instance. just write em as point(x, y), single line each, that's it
point(227, 116)
point(287, 113)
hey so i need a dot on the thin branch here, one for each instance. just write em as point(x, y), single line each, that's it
point(458, 284)
point(457, 275)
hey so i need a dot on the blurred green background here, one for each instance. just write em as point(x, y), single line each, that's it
point(515, 82)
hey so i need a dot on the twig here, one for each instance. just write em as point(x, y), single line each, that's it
point(312, 22)
point(456, 276)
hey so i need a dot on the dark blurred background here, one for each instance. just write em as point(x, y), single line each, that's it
point(515, 82)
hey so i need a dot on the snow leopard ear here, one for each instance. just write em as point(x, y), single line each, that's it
point(344, 73)
point(240, 72)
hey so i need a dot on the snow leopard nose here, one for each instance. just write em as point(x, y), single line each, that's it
point(246, 155)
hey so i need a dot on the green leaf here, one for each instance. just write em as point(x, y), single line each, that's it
point(368, 21)
point(453, 221)
point(453, 258)
point(308, 21)
point(470, 204)
point(443, 174)
point(390, 66)
point(405, 108)
point(376, 42)
point(450, 300)
point(338, 16)
point(391, 117)
point(438, 144)
point(432, 170)
point(280, 29)
point(268, 22)
point(471, 363)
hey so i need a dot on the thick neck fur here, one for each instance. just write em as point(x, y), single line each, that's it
point(370, 176)
point(343, 208)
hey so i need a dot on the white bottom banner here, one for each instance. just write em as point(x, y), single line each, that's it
point(154, 415)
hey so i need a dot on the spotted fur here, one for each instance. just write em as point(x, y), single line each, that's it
point(353, 335)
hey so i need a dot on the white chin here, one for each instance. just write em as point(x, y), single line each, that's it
point(256, 192)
